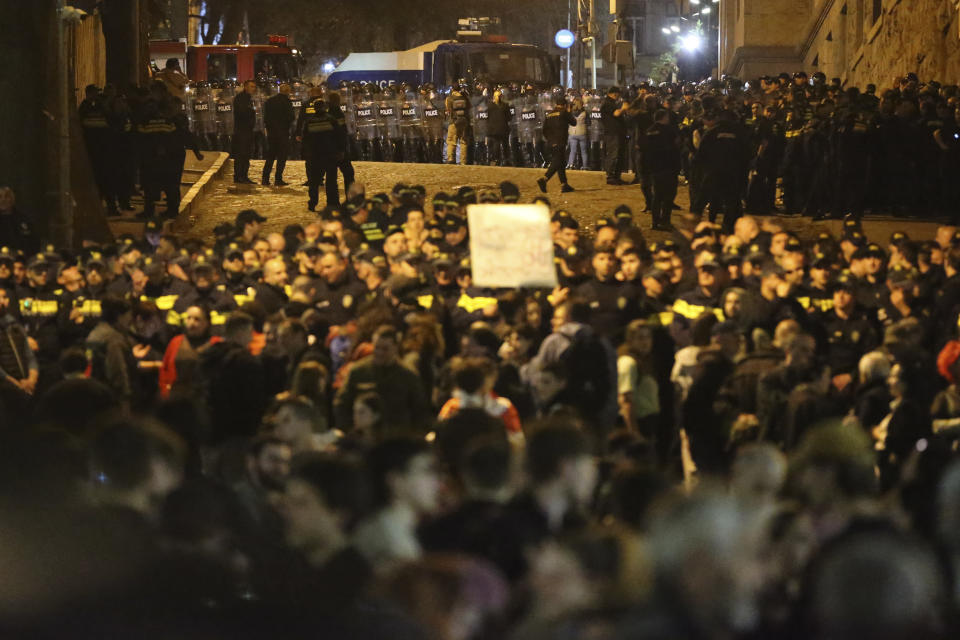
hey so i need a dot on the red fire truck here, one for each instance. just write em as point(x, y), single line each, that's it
point(218, 62)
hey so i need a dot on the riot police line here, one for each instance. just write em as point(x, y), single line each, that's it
point(404, 123)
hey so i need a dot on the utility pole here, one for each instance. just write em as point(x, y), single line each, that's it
point(62, 225)
point(593, 47)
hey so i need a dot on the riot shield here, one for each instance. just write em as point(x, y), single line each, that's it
point(529, 128)
point(224, 106)
point(367, 130)
point(595, 131)
point(411, 128)
point(389, 126)
point(480, 117)
point(433, 115)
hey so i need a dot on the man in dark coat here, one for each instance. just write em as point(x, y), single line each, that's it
point(278, 117)
point(244, 120)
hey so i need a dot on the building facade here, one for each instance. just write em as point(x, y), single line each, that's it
point(858, 41)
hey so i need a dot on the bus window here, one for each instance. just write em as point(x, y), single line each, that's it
point(276, 65)
point(221, 66)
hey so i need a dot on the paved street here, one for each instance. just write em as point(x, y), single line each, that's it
point(592, 199)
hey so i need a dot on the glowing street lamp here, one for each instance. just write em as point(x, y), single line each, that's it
point(691, 42)
point(675, 28)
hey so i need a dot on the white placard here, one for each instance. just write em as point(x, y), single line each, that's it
point(511, 245)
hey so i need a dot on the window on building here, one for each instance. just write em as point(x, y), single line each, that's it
point(221, 66)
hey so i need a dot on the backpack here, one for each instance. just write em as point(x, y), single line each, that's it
point(589, 376)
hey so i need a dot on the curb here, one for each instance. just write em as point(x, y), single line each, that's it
point(185, 218)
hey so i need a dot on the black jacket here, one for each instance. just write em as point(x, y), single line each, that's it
point(16, 232)
point(244, 115)
point(556, 127)
point(278, 115)
point(660, 145)
point(235, 390)
point(498, 119)
point(612, 125)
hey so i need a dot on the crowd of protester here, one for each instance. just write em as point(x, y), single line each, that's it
point(332, 431)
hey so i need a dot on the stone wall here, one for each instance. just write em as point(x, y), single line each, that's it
point(842, 39)
point(921, 36)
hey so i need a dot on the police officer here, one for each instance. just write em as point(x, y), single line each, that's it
point(157, 135)
point(723, 157)
point(849, 332)
point(340, 292)
point(660, 149)
point(244, 121)
point(611, 306)
point(39, 307)
point(345, 165)
point(98, 139)
point(556, 128)
point(207, 292)
point(324, 143)
point(278, 118)
point(458, 132)
point(614, 133)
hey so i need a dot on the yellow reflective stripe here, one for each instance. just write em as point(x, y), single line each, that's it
point(687, 310)
point(824, 304)
point(287, 289)
point(804, 301)
point(719, 313)
point(217, 318)
point(241, 299)
point(173, 318)
point(165, 303)
point(474, 304)
point(33, 307)
point(90, 308)
point(425, 301)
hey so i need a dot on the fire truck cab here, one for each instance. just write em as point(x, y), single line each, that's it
point(219, 62)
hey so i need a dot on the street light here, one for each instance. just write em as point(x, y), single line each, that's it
point(691, 42)
point(705, 10)
point(675, 28)
point(666, 31)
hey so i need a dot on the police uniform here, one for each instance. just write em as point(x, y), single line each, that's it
point(612, 305)
point(848, 340)
point(614, 132)
point(157, 135)
point(556, 127)
point(324, 144)
point(661, 161)
point(39, 311)
point(458, 133)
point(98, 138)
point(722, 156)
